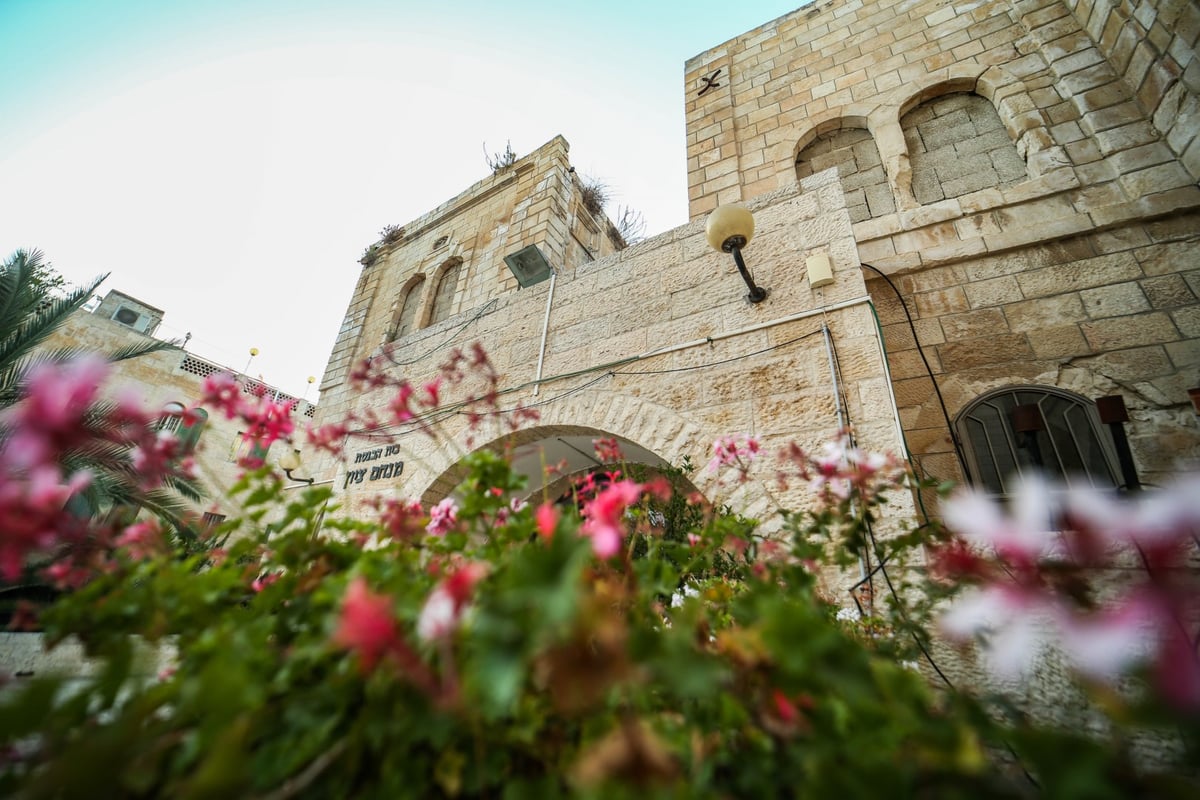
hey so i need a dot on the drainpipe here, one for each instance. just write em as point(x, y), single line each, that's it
point(537, 385)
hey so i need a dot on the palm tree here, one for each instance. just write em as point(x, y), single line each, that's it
point(30, 310)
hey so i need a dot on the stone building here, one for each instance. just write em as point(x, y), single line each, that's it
point(1020, 177)
point(170, 380)
point(1014, 203)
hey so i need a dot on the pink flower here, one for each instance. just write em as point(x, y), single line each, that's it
point(142, 541)
point(33, 515)
point(1046, 553)
point(693, 540)
point(546, 518)
point(1022, 539)
point(51, 418)
point(221, 391)
point(367, 625)
point(431, 398)
point(727, 452)
point(1018, 626)
point(264, 580)
point(444, 608)
point(603, 516)
point(269, 421)
point(608, 450)
point(400, 518)
point(154, 458)
point(442, 517)
point(399, 406)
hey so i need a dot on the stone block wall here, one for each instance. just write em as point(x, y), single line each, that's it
point(173, 376)
point(658, 345)
point(1151, 45)
point(1036, 155)
point(538, 200)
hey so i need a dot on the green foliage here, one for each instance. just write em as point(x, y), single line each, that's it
point(568, 676)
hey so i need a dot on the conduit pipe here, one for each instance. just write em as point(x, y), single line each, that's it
point(716, 337)
point(537, 381)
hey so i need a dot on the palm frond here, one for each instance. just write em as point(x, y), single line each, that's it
point(16, 275)
point(33, 329)
point(13, 376)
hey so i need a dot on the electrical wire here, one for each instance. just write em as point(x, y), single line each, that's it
point(718, 363)
point(928, 368)
point(609, 368)
point(488, 306)
point(881, 567)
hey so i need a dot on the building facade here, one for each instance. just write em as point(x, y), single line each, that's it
point(170, 381)
point(1006, 191)
point(1021, 181)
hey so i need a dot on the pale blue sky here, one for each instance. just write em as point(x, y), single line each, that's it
point(228, 160)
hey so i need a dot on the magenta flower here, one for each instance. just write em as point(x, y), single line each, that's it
point(329, 438)
point(400, 518)
point(546, 518)
point(51, 417)
point(32, 513)
point(602, 516)
point(222, 392)
point(367, 625)
point(269, 421)
point(442, 517)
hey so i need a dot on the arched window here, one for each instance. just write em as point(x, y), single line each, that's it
point(443, 298)
point(172, 413)
point(406, 320)
point(187, 426)
point(958, 145)
point(1035, 429)
point(189, 432)
point(853, 152)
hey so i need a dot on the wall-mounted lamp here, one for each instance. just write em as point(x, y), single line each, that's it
point(729, 229)
point(291, 461)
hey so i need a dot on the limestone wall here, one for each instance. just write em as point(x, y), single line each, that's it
point(171, 376)
point(1036, 156)
point(538, 200)
point(658, 345)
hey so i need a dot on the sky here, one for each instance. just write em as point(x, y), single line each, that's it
point(227, 161)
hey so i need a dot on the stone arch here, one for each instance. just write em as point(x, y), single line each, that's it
point(845, 137)
point(444, 290)
point(406, 307)
point(654, 428)
point(957, 143)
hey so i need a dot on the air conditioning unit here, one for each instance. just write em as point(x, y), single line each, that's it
point(132, 318)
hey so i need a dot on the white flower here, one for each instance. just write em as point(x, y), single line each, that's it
point(439, 616)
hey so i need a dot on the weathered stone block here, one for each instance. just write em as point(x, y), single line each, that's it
point(1084, 274)
point(1045, 312)
point(1065, 341)
point(985, 350)
point(1117, 300)
point(1124, 332)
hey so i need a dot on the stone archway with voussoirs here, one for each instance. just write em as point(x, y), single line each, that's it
point(667, 435)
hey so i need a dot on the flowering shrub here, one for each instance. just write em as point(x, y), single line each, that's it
point(624, 641)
